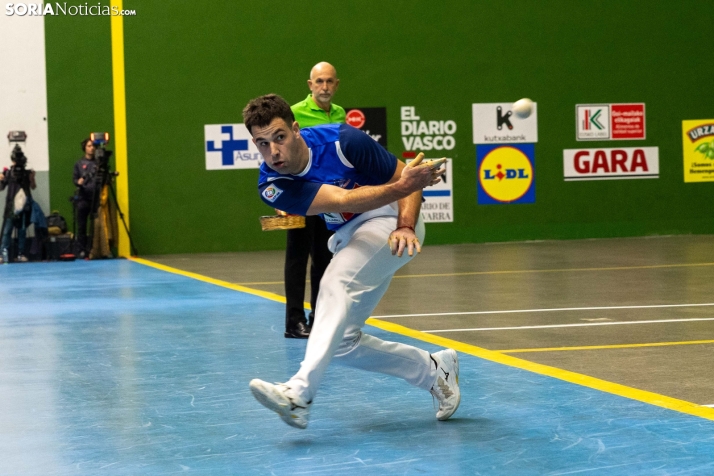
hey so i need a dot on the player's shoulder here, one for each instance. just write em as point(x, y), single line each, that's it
point(267, 174)
point(352, 136)
point(322, 134)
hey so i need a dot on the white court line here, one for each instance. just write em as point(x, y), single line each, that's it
point(604, 308)
point(571, 325)
point(710, 406)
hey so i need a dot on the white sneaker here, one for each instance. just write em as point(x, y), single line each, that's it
point(22, 259)
point(280, 398)
point(446, 388)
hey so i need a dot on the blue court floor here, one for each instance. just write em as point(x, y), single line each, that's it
point(117, 368)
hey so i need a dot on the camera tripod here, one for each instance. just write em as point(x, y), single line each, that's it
point(104, 179)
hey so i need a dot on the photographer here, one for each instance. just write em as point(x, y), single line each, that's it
point(16, 179)
point(86, 196)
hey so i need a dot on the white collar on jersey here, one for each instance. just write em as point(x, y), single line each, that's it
point(308, 166)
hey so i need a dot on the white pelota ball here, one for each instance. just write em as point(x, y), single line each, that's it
point(522, 108)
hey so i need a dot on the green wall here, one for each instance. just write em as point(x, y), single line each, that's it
point(194, 63)
point(79, 95)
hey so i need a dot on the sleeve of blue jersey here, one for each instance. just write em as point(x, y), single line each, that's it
point(366, 155)
point(291, 196)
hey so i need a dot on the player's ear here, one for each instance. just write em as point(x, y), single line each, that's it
point(296, 128)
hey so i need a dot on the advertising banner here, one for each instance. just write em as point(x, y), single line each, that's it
point(230, 146)
point(506, 173)
point(495, 123)
point(371, 120)
point(611, 164)
point(698, 150)
point(610, 121)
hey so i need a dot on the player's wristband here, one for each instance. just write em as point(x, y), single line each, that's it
point(407, 226)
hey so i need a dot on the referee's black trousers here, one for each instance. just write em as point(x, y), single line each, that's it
point(303, 242)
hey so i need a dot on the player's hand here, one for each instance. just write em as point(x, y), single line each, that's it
point(419, 175)
point(404, 238)
point(80, 181)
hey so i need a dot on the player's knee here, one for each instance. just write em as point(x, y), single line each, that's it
point(348, 343)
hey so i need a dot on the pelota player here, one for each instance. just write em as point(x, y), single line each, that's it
point(372, 201)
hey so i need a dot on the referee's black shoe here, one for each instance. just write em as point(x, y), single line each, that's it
point(299, 331)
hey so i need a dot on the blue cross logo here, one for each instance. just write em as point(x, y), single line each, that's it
point(228, 147)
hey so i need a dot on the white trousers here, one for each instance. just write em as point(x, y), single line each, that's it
point(354, 282)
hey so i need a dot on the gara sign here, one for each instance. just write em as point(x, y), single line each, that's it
point(611, 164)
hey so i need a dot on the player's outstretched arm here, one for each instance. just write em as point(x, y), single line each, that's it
point(404, 238)
point(406, 180)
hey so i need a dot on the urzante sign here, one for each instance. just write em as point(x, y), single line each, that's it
point(698, 144)
point(611, 164)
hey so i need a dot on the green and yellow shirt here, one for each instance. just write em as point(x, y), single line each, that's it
point(308, 113)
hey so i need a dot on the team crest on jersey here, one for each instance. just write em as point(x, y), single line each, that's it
point(271, 193)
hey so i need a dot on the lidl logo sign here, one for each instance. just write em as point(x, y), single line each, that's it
point(230, 146)
point(506, 173)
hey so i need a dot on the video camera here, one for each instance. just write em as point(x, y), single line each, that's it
point(101, 154)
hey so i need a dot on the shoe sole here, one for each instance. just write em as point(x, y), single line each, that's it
point(274, 402)
point(458, 402)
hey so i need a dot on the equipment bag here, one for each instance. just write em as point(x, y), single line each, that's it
point(57, 221)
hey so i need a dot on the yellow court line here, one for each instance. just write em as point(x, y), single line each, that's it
point(566, 375)
point(563, 270)
point(599, 347)
point(206, 279)
point(217, 282)
point(120, 136)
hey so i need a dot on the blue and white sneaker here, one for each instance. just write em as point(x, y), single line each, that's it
point(446, 388)
point(280, 398)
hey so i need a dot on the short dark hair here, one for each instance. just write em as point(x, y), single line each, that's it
point(262, 110)
point(84, 143)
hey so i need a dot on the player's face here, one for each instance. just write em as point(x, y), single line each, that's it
point(323, 84)
point(280, 146)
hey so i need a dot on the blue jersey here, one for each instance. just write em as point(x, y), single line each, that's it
point(340, 155)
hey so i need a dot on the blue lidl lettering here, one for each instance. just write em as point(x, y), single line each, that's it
point(510, 174)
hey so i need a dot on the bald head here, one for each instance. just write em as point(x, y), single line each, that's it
point(323, 68)
point(323, 83)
